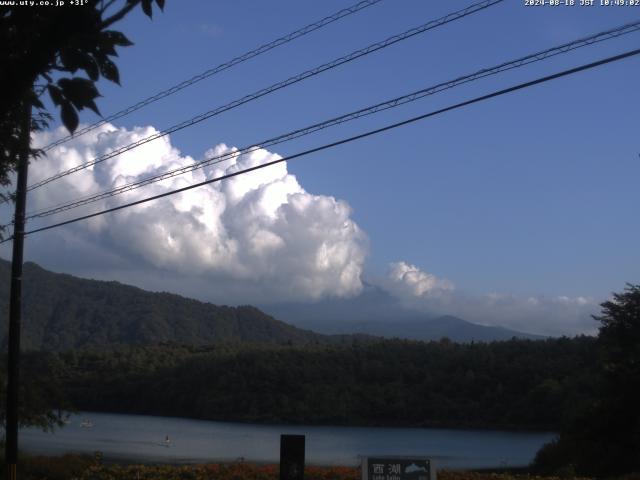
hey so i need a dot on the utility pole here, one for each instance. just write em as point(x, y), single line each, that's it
point(15, 302)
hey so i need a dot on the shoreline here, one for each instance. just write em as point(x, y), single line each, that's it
point(282, 424)
point(125, 439)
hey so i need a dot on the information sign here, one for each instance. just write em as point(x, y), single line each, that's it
point(397, 468)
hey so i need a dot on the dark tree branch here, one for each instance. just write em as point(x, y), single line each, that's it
point(119, 15)
point(106, 6)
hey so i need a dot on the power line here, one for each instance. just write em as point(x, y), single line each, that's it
point(522, 61)
point(223, 66)
point(350, 139)
point(476, 7)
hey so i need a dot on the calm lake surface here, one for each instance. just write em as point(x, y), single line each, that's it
point(142, 439)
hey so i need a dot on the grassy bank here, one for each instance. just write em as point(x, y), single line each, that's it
point(85, 467)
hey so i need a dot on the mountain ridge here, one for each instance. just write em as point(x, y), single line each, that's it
point(61, 312)
point(378, 313)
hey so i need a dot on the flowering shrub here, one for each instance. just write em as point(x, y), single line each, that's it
point(78, 467)
point(235, 471)
point(243, 471)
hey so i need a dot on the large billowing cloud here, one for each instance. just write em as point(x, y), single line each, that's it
point(255, 238)
point(545, 315)
point(259, 234)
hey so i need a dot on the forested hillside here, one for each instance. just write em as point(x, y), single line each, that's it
point(517, 384)
point(63, 312)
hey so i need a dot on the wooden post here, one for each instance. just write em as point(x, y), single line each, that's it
point(15, 302)
point(291, 457)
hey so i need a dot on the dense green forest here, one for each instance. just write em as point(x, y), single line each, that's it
point(520, 384)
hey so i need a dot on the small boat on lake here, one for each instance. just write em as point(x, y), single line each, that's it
point(86, 424)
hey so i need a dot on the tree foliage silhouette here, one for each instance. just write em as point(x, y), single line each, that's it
point(604, 436)
point(43, 48)
point(619, 415)
point(42, 51)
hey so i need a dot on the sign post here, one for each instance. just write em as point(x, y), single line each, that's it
point(291, 457)
point(397, 468)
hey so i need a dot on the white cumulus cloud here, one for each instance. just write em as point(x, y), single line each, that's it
point(405, 278)
point(261, 231)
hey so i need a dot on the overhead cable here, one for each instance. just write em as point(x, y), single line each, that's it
point(474, 8)
point(223, 66)
point(349, 139)
point(388, 104)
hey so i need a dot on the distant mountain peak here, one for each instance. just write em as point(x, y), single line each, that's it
point(376, 312)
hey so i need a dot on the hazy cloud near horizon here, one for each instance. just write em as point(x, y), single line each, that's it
point(255, 238)
point(539, 314)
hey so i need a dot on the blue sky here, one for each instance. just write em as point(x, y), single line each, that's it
point(534, 193)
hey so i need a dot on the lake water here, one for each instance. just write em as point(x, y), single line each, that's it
point(142, 439)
